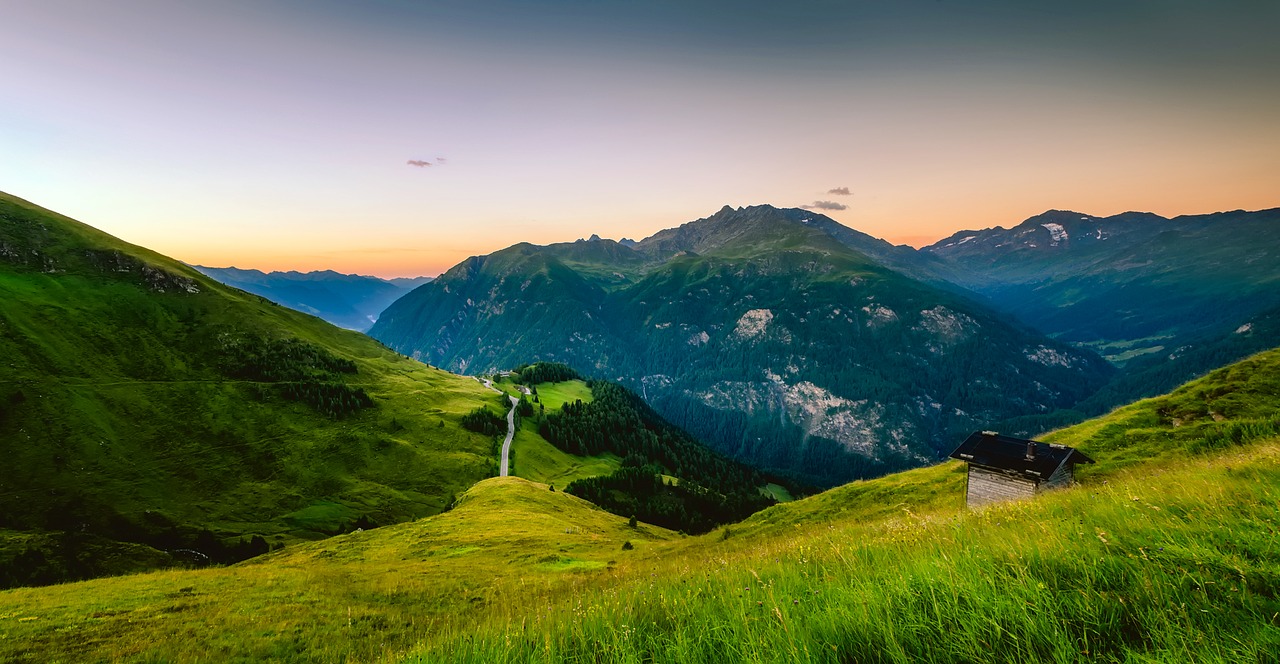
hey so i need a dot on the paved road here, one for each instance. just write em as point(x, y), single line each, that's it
point(511, 432)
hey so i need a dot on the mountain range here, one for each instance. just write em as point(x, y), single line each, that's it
point(350, 301)
point(775, 335)
point(1165, 299)
point(802, 346)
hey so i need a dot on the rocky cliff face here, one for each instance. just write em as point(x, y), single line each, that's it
point(758, 330)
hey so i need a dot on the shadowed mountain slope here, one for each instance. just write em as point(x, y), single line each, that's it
point(1156, 296)
point(759, 330)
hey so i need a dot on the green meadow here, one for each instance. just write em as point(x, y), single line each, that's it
point(1164, 552)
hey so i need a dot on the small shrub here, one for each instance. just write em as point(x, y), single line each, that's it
point(627, 546)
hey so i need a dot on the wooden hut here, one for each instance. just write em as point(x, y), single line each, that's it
point(1008, 468)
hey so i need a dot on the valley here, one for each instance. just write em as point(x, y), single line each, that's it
point(349, 301)
point(334, 500)
point(1161, 552)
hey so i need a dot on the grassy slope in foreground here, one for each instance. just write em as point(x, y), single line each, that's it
point(1166, 552)
point(119, 421)
point(1172, 559)
point(508, 545)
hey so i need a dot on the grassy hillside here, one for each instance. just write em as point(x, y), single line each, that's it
point(540, 461)
point(1177, 572)
point(508, 545)
point(145, 409)
point(1166, 559)
point(1164, 553)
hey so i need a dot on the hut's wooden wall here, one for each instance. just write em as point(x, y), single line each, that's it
point(989, 486)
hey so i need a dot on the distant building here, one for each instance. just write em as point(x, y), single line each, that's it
point(1007, 468)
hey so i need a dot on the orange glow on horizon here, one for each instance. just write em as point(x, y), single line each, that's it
point(428, 255)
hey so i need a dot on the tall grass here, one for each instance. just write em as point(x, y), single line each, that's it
point(1169, 551)
point(1181, 566)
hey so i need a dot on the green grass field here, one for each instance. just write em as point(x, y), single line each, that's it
point(778, 492)
point(508, 544)
point(554, 395)
point(1171, 559)
point(540, 461)
point(1183, 571)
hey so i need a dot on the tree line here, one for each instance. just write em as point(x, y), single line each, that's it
point(710, 489)
point(303, 371)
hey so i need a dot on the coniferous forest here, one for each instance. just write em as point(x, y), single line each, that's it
point(667, 478)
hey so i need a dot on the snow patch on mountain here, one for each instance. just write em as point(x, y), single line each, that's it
point(1056, 233)
point(960, 241)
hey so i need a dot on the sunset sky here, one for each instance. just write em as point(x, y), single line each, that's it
point(397, 138)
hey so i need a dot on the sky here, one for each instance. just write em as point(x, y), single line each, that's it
point(397, 138)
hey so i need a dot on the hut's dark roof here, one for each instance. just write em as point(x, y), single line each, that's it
point(985, 448)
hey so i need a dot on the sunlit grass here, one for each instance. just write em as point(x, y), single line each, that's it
point(1168, 559)
point(1180, 566)
point(554, 395)
point(362, 595)
point(540, 461)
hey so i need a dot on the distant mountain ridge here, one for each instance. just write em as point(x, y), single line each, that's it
point(777, 335)
point(351, 301)
point(1150, 293)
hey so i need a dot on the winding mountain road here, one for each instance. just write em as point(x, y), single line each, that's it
point(511, 432)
